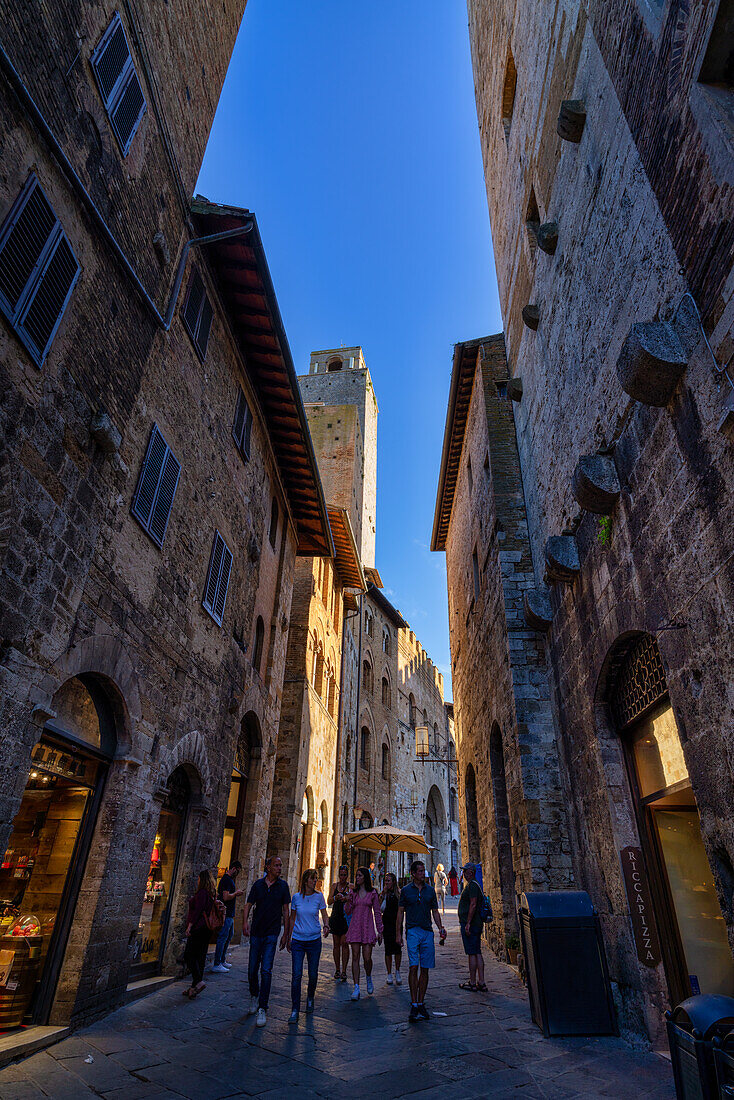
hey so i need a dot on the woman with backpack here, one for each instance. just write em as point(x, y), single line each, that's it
point(440, 882)
point(203, 918)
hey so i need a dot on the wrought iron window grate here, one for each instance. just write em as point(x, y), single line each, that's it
point(640, 681)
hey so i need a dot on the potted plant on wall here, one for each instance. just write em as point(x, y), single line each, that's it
point(512, 943)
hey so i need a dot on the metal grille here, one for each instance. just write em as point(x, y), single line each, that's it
point(640, 681)
point(178, 792)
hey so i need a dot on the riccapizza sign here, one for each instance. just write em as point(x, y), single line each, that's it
point(640, 903)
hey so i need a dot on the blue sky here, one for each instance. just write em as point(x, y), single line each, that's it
point(350, 130)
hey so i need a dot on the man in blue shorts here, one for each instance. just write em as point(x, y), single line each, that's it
point(418, 902)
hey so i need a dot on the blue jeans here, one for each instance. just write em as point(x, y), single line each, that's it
point(262, 953)
point(312, 950)
point(225, 935)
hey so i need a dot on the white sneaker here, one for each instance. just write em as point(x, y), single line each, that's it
point(227, 966)
point(254, 1003)
point(261, 1018)
point(389, 979)
point(355, 993)
point(219, 969)
point(370, 987)
point(398, 979)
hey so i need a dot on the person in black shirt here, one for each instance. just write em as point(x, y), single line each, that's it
point(269, 900)
point(228, 893)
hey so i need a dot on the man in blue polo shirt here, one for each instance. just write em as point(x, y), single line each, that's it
point(418, 902)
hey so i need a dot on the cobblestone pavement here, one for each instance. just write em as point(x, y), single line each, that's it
point(164, 1047)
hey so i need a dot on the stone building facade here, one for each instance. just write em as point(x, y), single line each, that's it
point(147, 556)
point(607, 144)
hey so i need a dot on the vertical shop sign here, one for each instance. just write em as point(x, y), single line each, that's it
point(638, 896)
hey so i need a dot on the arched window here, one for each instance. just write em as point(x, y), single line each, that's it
point(368, 623)
point(364, 748)
point(334, 364)
point(257, 649)
point(435, 737)
point(368, 683)
point(453, 810)
point(331, 695)
point(411, 711)
point(386, 701)
point(386, 642)
point(318, 672)
point(508, 94)
point(385, 762)
point(274, 516)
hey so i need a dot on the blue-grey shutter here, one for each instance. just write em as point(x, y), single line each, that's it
point(223, 585)
point(205, 325)
point(198, 313)
point(217, 581)
point(156, 489)
point(38, 270)
point(118, 83)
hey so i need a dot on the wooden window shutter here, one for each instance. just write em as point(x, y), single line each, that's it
point(157, 486)
point(242, 427)
point(198, 313)
point(38, 270)
point(118, 83)
point(217, 581)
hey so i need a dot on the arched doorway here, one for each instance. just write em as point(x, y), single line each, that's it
point(472, 816)
point(242, 802)
point(693, 938)
point(502, 828)
point(160, 885)
point(435, 823)
point(43, 867)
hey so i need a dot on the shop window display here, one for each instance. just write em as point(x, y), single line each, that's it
point(155, 910)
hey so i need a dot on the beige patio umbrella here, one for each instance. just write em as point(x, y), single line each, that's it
point(387, 838)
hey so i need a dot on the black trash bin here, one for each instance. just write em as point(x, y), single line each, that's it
point(692, 1028)
point(566, 967)
point(724, 1064)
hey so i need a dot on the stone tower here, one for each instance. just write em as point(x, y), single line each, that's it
point(342, 414)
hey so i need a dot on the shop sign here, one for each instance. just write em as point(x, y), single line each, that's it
point(640, 904)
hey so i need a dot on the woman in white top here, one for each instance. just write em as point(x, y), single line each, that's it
point(440, 882)
point(303, 938)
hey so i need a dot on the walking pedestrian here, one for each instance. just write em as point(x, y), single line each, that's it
point(418, 903)
point(470, 922)
point(269, 897)
point(454, 882)
point(197, 932)
point(440, 882)
point(338, 922)
point(389, 903)
point(304, 939)
point(365, 927)
point(228, 894)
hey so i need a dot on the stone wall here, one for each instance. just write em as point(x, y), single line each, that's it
point(640, 204)
point(83, 589)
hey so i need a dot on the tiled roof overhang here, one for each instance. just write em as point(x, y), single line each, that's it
point(348, 565)
point(384, 604)
point(462, 382)
point(249, 297)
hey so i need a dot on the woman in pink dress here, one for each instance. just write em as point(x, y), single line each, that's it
point(365, 927)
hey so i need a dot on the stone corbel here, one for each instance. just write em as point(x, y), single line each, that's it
point(571, 120)
point(514, 389)
point(42, 713)
point(537, 609)
point(596, 484)
point(531, 316)
point(651, 363)
point(547, 237)
point(104, 433)
point(562, 564)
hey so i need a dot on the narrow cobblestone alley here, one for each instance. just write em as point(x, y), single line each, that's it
point(163, 1047)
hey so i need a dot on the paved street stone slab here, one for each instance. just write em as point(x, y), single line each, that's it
point(164, 1048)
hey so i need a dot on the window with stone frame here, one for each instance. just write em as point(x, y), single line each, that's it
point(386, 694)
point(257, 649)
point(198, 314)
point(364, 748)
point(411, 711)
point(385, 762)
point(242, 427)
point(509, 90)
point(368, 682)
point(386, 641)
